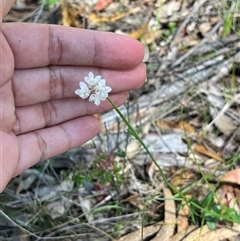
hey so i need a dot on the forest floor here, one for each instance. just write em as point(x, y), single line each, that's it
point(187, 114)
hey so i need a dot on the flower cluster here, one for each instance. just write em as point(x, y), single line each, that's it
point(95, 88)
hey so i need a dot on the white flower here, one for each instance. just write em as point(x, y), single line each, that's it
point(95, 99)
point(91, 80)
point(102, 90)
point(84, 91)
point(95, 88)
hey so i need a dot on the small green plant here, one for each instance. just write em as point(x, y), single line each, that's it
point(170, 31)
point(102, 173)
point(172, 27)
point(229, 18)
point(49, 2)
point(207, 211)
point(204, 211)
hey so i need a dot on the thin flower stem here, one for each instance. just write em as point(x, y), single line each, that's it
point(229, 216)
point(134, 133)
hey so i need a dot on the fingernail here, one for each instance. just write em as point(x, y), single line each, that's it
point(146, 53)
point(146, 73)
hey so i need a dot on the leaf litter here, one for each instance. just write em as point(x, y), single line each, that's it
point(187, 113)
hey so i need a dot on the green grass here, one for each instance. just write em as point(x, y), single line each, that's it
point(206, 211)
point(49, 2)
point(231, 23)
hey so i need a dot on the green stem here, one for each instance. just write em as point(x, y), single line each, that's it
point(134, 133)
point(178, 194)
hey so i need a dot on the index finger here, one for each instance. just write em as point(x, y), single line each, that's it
point(37, 45)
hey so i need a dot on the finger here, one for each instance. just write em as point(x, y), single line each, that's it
point(5, 6)
point(43, 45)
point(38, 85)
point(9, 154)
point(42, 144)
point(39, 116)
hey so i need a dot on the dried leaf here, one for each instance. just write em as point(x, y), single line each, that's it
point(56, 209)
point(202, 150)
point(167, 229)
point(183, 178)
point(166, 126)
point(133, 148)
point(196, 234)
point(225, 124)
point(94, 18)
point(137, 201)
point(180, 235)
point(101, 4)
point(183, 216)
point(231, 189)
point(232, 176)
point(169, 9)
point(214, 96)
point(139, 32)
point(71, 13)
point(86, 206)
point(204, 233)
point(145, 232)
point(186, 127)
point(205, 28)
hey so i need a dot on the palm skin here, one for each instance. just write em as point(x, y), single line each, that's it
point(41, 66)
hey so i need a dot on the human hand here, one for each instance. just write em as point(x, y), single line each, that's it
point(41, 66)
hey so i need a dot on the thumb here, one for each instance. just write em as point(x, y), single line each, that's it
point(5, 6)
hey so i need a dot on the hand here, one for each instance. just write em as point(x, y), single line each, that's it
point(41, 66)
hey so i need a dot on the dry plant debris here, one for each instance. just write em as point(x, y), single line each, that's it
point(187, 113)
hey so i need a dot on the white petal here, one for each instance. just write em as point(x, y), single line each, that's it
point(97, 102)
point(84, 95)
point(102, 95)
point(77, 92)
point(92, 97)
point(91, 75)
point(91, 82)
point(84, 91)
point(98, 77)
point(95, 99)
point(88, 79)
point(102, 82)
point(108, 89)
point(83, 86)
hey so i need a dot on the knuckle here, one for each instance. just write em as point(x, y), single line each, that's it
point(50, 115)
point(67, 138)
point(56, 83)
point(55, 47)
point(41, 145)
point(17, 126)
